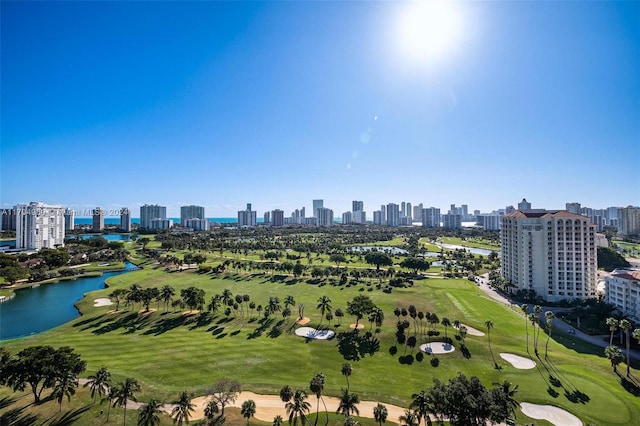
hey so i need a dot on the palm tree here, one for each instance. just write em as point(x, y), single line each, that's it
point(118, 294)
point(377, 315)
point(614, 355)
point(348, 403)
point(324, 304)
point(286, 393)
point(446, 322)
point(317, 386)
point(612, 323)
point(289, 301)
point(346, 370)
point(124, 392)
point(409, 418)
point(65, 385)
point(525, 309)
point(98, 383)
point(248, 409)
point(463, 333)
point(183, 409)
point(166, 295)
point(421, 406)
point(149, 413)
point(380, 413)
point(549, 316)
point(509, 393)
point(537, 311)
point(226, 296)
point(350, 421)
point(625, 325)
point(110, 395)
point(297, 407)
point(489, 326)
point(277, 420)
point(636, 334)
point(211, 409)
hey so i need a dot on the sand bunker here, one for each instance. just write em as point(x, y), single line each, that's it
point(553, 415)
point(103, 301)
point(519, 362)
point(312, 333)
point(437, 348)
point(303, 321)
point(472, 331)
point(353, 326)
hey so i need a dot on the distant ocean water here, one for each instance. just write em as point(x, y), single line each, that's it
point(116, 220)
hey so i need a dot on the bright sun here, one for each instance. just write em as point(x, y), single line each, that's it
point(428, 29)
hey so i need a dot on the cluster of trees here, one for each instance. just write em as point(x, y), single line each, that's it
point(462, 401)
point(612, 352)
point(609, 259)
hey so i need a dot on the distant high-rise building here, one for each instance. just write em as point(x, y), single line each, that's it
point(277, 218)
point(383, 211)
point(431, 217)
point(629, 220)
point(359, 216)
point(490, 222)
point(247, 217)
point(403, 208)
point(149, 212)
point(157, 224)
point(197, 224)
point(357, 206)
point(69, 219)
point(452, 221)
point(524, 205)
point(39, 226)
point(325, 217)
point(509, 209)
point(317, 204)
point(346, 218)
point(97, 223)
point(393, 214)
point(8, 219)
point(464, 211)
point(191, 212)
point(266, 218)
point(125, 219)
point(378, 218)
point(417, 212)
point(551, 252)
point(408, 212)
point(574, 208)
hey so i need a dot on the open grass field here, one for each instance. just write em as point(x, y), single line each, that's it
point(168, 352)
point(471, 242)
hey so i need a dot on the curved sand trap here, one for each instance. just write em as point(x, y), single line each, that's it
point(103, 301)
point(554, 415)
point(521, 363)
point(312, 333)
point(437, 348)
point(303, 321)
point(472, 331)
point(353, 326)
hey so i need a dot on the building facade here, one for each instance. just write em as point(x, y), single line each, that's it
point(393, 214)
point(157, 224)
point(431, 217)
point(325, 217)
point(629, 220)
point(552, 253)
point(8, 219)
point(247, 217)
point(317, 204)
point(149, 212)
point(69, 220)
point(452, 221)
point(97, 222)
point(622, 289)
point(125, 219)
point(191, 212)
point(39, 225)
point(277, 218)
point(347, 218)
point(197, 224)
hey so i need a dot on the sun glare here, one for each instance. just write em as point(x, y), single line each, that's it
point(429, 29)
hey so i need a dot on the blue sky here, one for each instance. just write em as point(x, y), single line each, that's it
point(277, 103)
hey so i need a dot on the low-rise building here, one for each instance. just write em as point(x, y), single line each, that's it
point(622, 289)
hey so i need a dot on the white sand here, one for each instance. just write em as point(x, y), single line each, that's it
point(269, 406)
point(312, 333)
point(472, 331)
point(554, 415)
point(103, 301)
point(521, 363)
point(437, 348)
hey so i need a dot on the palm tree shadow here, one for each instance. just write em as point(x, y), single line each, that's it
point(629, 385)
point(70, 417)
point(14, 417)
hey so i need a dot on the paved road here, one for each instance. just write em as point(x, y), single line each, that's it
point(602, 341)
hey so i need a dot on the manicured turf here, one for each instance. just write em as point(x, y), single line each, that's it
point(472, 242)
point(169, 352)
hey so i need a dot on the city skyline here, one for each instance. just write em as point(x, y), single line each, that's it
point(221, 104)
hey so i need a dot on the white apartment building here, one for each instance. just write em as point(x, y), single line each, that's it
point(277, 218)
point(69, 220)
point(125, 219)
point(393, 214)
point(247, 217)
point(191, 212)
point(359, 216)
point(158, 223)
point(346, 218)
point(452, 221)
point(622, 289)
point(550, 252)
point(317, 204)
point(97, 219)
point(150, 212)
point(39, 225)
point(197, 224)
point(325, 217)
point(431, 217)
point(378, 217)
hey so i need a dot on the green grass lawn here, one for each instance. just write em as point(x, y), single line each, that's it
point(168, 352)
point(472, 242)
